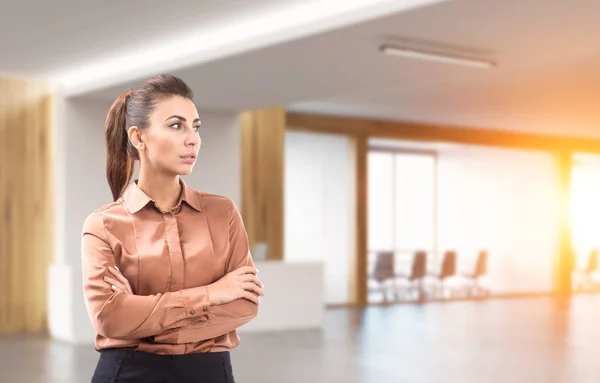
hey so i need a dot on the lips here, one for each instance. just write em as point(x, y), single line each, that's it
point(189, 158)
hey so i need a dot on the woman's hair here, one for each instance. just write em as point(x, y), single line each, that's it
point(133, 108)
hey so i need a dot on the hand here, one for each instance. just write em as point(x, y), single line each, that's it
point(118, 282)
point(240, 283)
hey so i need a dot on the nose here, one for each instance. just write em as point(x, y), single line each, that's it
point(193, 138)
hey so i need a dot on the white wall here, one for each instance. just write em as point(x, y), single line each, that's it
point(320, 207)
point(81, 188)
point(505, 201)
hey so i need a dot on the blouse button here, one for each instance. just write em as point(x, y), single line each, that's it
point(205, 309)
point(192, 312)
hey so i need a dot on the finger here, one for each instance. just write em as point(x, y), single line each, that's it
point(249, 286)
point(115, 288)
point(117, 274)
point(246, 270)
point(254, 279)
point(121, 278)
point(113, 282)
point(251, 297)
point(116, 282)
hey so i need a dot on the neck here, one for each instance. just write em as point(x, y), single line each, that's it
point(162, 189)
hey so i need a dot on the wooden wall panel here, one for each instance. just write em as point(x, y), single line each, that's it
point(438, 133)
point(263, 178)
point(26, 244)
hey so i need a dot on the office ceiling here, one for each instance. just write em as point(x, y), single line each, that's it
point(89, 45)
point(548, 52)
point(47, 38)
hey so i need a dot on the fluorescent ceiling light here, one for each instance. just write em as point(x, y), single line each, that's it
point(439, 57)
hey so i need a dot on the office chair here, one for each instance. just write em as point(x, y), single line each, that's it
point(480, 270)
point(417, 273)
point(384, 272)
point(587, 282)
point(448, 270)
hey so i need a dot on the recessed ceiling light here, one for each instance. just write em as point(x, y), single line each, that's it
point(435, 56)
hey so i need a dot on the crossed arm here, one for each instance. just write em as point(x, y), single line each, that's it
point(117, 313)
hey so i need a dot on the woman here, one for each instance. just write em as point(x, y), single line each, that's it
point(167, 271)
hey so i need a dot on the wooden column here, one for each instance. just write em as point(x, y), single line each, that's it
point(565, 258)
point(359, 292)
point(26, 245)
point(262, 178)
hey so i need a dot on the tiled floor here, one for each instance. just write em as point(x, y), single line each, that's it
point(543, 340)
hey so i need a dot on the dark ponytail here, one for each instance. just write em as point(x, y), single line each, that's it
point(119, 162)
point(133, 108)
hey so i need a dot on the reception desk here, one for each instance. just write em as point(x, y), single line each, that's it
point(294, 297)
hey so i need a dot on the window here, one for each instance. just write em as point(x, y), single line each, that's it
point(401, 205)
point(585, 206)
point(414, 177)
point(381, 188)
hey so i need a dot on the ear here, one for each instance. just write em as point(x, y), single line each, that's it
point(135, 137)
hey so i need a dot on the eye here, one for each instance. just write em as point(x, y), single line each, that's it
point(197, 128)
point(176, 125)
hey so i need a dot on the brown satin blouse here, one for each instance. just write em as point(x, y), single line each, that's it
point(168, 257)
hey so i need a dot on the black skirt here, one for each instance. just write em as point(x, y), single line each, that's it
point(130, 366)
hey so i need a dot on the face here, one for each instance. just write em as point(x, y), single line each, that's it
point(170, 143)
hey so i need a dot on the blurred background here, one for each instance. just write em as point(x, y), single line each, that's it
point(419, 179)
